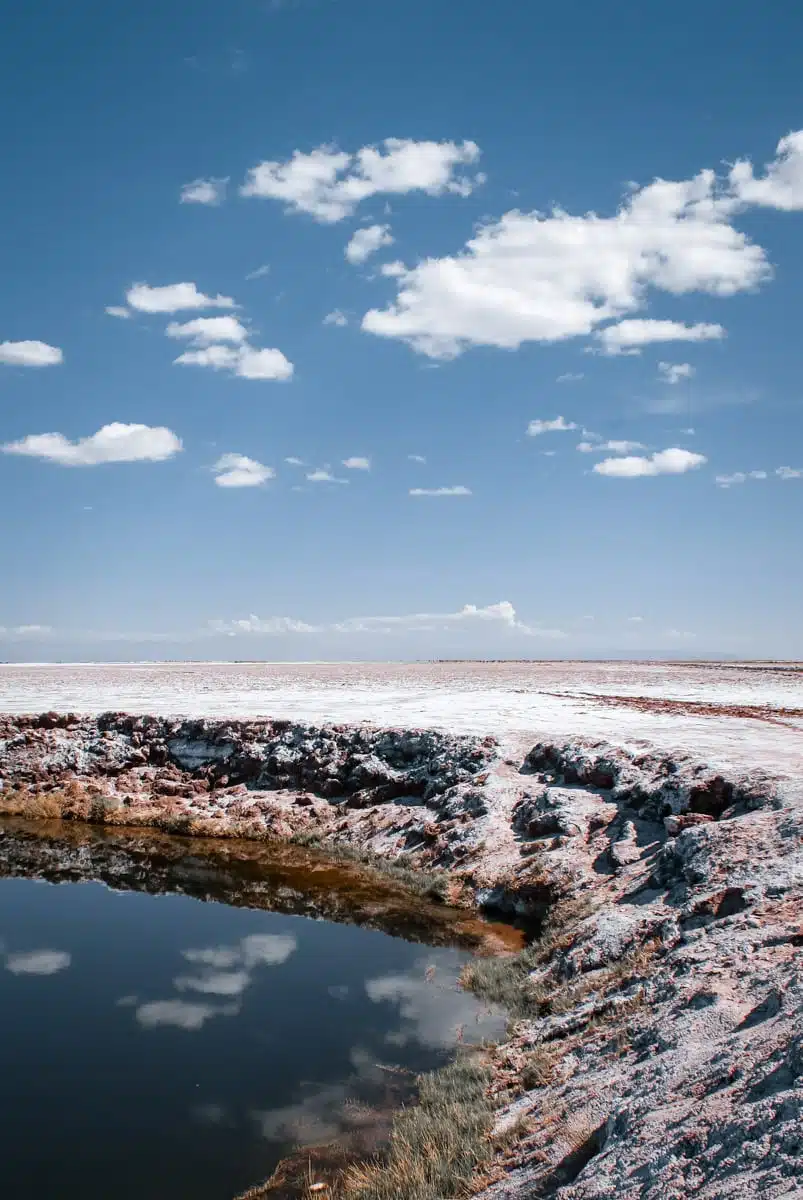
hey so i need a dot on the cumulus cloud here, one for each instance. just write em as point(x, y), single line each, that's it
point(789, 472)
point(329, 184)
point(558, 425)
point(367, 241)
point(781, 186)
point(726, 481)
point(674, 372)
point(629, 336)
point(258, 949)
point(665, 462)
point(237, 471)
point(530, 276)
point(214, 983)
point(181, 1014)
point(204, 330)
point(116, 442)
point(173, 297)
point(267, 949)
point(458, 490)
point(336, 317)
point(246, 362)
point(323, 475)
point(30, 354)
point(259, 272)
point(204, 191)
point(417, 458)
point(38, 962)
point(613, 447)
point(357, 464)
point(120, 311)
point(432, 1015)
point(295, 462)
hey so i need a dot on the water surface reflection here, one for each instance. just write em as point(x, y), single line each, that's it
point(161, 1046)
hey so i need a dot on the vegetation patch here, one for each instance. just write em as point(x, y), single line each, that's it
point(434, 886)
point(436, 1147)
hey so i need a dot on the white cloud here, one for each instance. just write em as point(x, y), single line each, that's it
point(367, 241)
point(664, 462)
point(789, 472)
point(120, 311)
point(32, 630)
point(244, 361)
point(629, 336)
point(545, 278)
point(217, 356)
point(558, 425)
point(357, 464)
point(726, 481)
point(204, 191)
point(635, 620)
point(30, 354)
point(503, 614)
point(220, 957)
point(614, 447)
point(323, 475)
point(336, 317)
point(205, 330)
point(117, 442)
point(180, 1014)
point(674, 372)
point(679, 635)
point(259, 272)
point(268, 949)
point(271, 625)
point(417, 458)
point(236, 471)
point(432, 1015)
point(458, 490)
point(258, 949)
point(38, 962)
point(782, 184)
point(570, 377)
point(295, 462)
point(214, 983)
point(173, 297)
point(329, 183)
point(264, 364)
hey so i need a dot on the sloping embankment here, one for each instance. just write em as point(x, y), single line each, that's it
point(659, 1047)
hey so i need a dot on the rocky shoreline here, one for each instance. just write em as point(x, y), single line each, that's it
point(660, 1052)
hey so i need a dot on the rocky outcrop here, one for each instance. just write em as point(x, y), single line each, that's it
point(131, 755)
point(658, 1054)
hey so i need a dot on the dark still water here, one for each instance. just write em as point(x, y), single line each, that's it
point(161, 1046)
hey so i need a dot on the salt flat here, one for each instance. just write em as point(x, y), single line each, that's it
point(619, 702)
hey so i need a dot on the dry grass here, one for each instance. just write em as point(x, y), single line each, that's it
point(539, 1069)
point(435, 1147)
point(507, 980)
point(432, 886)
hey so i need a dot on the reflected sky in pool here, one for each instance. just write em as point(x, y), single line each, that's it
point(158, 1046)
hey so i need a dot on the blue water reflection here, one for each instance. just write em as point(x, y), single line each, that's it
point(158, 1046)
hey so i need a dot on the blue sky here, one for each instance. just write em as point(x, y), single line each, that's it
point(370, 234)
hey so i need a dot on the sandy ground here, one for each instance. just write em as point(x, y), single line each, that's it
point(731, 715)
